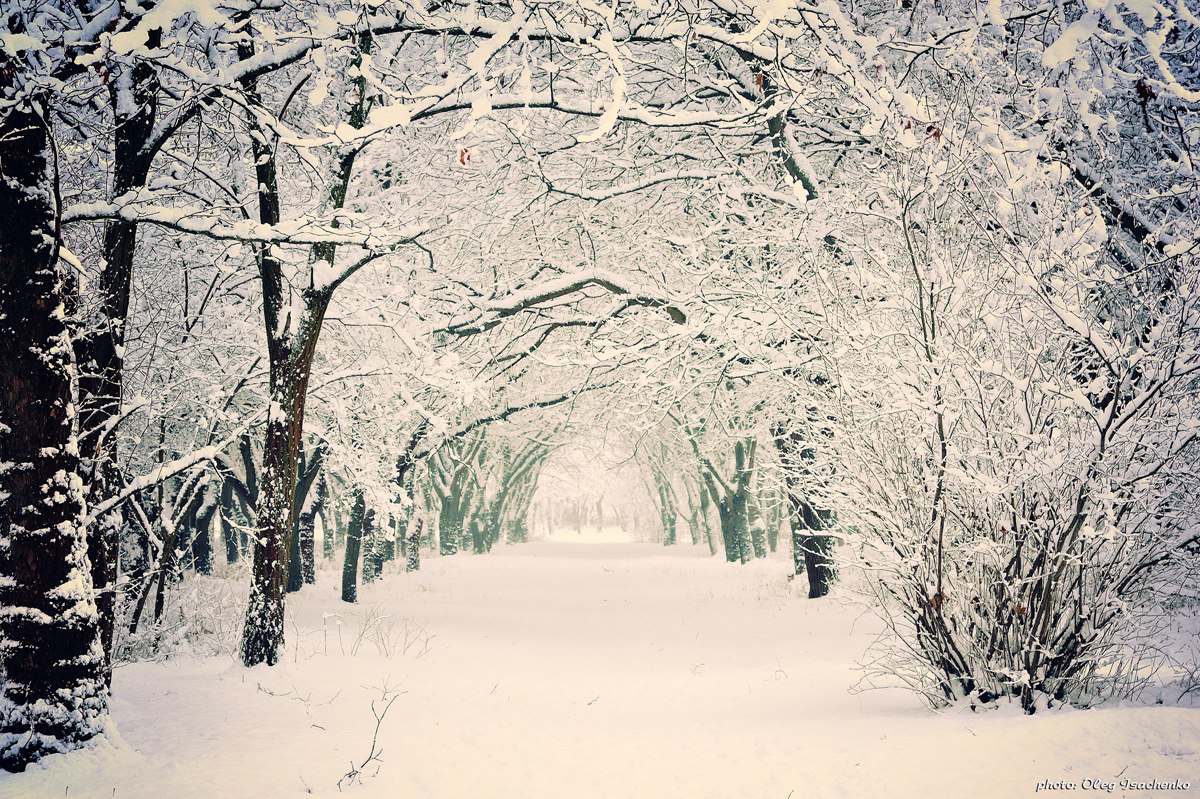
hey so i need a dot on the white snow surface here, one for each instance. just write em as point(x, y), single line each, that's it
point(560, 670)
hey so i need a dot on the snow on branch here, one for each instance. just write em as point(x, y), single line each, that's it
point(156, 476)
point(637, 185)
point(501, 415)
point(495, 312)
point(204, 222)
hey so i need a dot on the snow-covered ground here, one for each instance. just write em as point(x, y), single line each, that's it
point(558, 670)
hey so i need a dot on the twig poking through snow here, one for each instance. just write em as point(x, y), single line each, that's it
point(388, 697)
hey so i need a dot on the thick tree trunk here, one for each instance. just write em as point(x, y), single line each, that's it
point(53, 695)
point(754, 521)
point(818, 564)
point(667, 511)
point(670, 535)
point(478, 545)
point(388, 552)
point(728, 532)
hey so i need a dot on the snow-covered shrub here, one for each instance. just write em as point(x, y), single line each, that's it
point(202, 616)
point(1017, 432)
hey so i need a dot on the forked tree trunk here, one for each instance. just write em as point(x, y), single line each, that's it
point(53, 695)
point(290, 357)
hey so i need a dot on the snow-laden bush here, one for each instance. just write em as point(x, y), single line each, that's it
point(201, 617)
point(1016, 431)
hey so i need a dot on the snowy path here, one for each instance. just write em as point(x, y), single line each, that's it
point(572, 670)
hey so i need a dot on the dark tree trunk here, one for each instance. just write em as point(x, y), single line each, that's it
point(327, 515)
point(295, 573)
point(263, 634)
point(100, 350)
point(811, 554)
point(290, 357)
point(818, 564)
point(228, 532)
point(353, 538)
point(308, 546)
point(388, 551)
point(166, 567)
point(370, 548)
point(478, 545)
point(728, 533)
point(301, 567)
point(202, 555)
point(53, 695)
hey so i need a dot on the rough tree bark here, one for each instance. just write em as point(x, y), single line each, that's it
point(53, 696)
